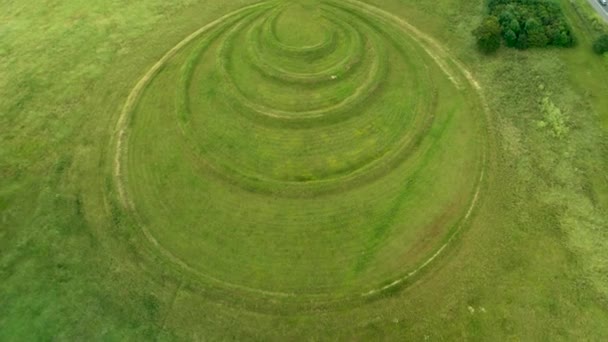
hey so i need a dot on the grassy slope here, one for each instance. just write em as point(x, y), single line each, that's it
point(320, 252)
point(530, 266)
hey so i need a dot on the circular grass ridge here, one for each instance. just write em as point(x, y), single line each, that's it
point(299, 149)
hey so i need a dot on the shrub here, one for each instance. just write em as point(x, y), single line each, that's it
point(553, 118)
point(488, 35)
point(600, 46)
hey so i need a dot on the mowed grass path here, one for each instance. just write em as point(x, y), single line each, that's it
point(330, 160)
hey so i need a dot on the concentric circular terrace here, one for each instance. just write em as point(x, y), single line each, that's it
point(301, 150)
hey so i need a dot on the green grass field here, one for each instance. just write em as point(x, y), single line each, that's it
point(297, 170)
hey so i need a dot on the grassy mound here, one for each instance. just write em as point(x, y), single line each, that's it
point(328, 161)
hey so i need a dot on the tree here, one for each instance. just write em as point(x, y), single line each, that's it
point(536, 33)
point(564, 39)
point(488, 35)
point(522, 41)
point(514, 26)
point(600, 46)
point(510, 38)
point(537, 37)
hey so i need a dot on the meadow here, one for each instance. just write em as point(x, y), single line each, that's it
point(307, 169)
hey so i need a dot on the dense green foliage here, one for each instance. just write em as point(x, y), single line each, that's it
point(529, 23)
point(488, 35)
point(600, 45)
